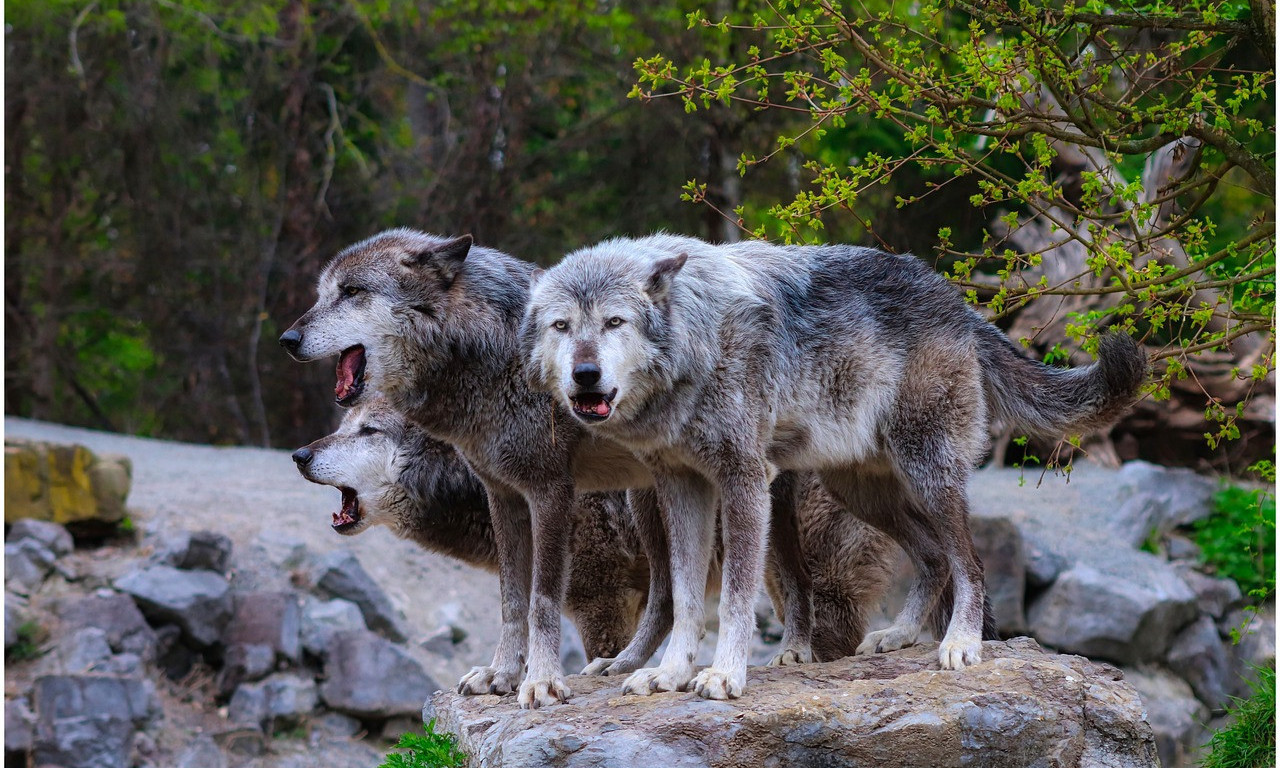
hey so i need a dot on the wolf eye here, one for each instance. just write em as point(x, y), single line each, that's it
point(613, 322)
point(560, 325)
point(351, 290)
point(366, 430)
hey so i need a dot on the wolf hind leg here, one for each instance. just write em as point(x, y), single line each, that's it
point(787, 565)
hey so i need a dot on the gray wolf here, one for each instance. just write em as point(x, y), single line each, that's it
point(720, 366)
point(432, 324)
point(391, 473)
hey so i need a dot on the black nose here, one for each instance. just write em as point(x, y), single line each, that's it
point(303, 456)
point(291, 340)
point(586, 374)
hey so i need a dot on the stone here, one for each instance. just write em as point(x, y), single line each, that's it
point(245, 741)
point(1180, 548)
point(396, 727)
point(440, 642)
point(248, 706)
point(115, 614)
point(19, 725)
point(1176, 497)
point(281, 549)
point(54, 537)
point(1175, 714)
point(173, 656)
point(125, 664)
point(1213, 596)
point(84, 650)
point(196, 551)
point(267, 618)
point(66, 484)
point(1019, 707)
point(90, 720)
point(243, 663)
point(1199, 657)
point(1256, 647)
point(321, 619)
point(280, 701)
point(201, 752)
point(198, 602)
point(335, 725)
point(573, 655)
point(26, 564)
point(999, 544)
point(341, 575)
point(1127, 610)
point(368, 677)
point(15, 615)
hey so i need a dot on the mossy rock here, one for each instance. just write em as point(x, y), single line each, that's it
point(66, 484)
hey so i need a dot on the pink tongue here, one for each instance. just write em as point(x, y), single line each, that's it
point(602, 408)
point(347, 365)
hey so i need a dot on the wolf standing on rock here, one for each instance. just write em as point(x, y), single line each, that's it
point(721, 365)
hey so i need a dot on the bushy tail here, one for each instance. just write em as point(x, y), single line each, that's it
point(1031, 397)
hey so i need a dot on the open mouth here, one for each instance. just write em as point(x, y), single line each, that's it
point(350, 376)
point(593, 406)
point(346, 519)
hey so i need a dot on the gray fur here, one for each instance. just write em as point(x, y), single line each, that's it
point(721, 366)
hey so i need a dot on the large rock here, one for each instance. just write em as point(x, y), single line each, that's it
point(1199, 657)
point(26, 564)
point(65, 484)
point(267, 618)
point(54, 537)
point(1176, 716)
point(1019, 707)
point(19, 725)
point(196, 551)
point(322, 619)
point(280, 701)
point(368, 677)
point(999, 544)
point(1128, 610)
point(341, 575)
point(115, 614)
point(198, 602)
point(85, 721)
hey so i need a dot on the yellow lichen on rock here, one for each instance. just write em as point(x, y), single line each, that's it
point(63, 483)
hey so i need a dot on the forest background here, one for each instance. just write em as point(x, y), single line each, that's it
point(178, 171)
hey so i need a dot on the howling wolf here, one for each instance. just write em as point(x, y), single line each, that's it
point(720, 366)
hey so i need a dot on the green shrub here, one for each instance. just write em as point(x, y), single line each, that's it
point(1238, 541)
point(30, 636)
point(431, 750)
point(1250, 740)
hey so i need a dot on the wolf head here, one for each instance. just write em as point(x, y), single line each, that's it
point(596, 329)
point(374, 297)
point(364, 459)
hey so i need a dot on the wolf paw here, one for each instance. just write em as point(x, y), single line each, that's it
point(712, 683)
point(611, 666)
point(788, 658)
point(885, 640)
point(482, 680)
point(542, 693)
point(959, 653)
point(643, 682)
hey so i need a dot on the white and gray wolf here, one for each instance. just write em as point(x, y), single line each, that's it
point(720, 366)
point(391, 473)
point(432, 324)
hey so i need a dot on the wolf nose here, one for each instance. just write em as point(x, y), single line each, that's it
point(291, 340)
point(303, 456)
point(586, 374)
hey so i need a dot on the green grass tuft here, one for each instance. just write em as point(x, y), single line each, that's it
point(30, 637)
point(427, 750)
point(1238, 541)
point(1250, 740)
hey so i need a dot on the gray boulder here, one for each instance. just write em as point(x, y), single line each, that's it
point(280, 701)
point(89, 721)
point(1214, 597)
point(115, 614)
point(1019, 707)
point(52, 536)
point(1256, 647)
point(1199, 657)
point(26, 564)
point(198, 602)
point(322, 619)
point(1158, 498)
point(201, 752)
point(267, 618)
point(195, 551)
point(19, 725)
point(281, 549)
point(14, 616)
point(341, 575)
point(999, 544)
point(244, 662)
point(368, 677)
point(1127, 610)
point(1175, 714)
point(84, 651)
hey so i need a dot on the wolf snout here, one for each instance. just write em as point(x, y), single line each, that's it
point(291, 340)
point(302, 457)
point(586, 374)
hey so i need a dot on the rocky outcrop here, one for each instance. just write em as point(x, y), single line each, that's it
point(341, 575)
point(66, 484)
point(198, 602)
point(84, 720)
point(1020, 707)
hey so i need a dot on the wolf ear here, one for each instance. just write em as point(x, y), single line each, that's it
point(535, 276)
point(658, 286)
point(446, 258)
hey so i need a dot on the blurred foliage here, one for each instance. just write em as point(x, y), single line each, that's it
point(1238, 541)
point(1249, 739)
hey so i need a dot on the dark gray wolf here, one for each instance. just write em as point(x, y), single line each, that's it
point(391, 473)
point(432, 323)
point(720, 366)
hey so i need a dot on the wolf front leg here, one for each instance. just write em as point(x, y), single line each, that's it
point(552, 508)
point(688, 509)
point(744, 522)
point(655, 622)
point(514, 542)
